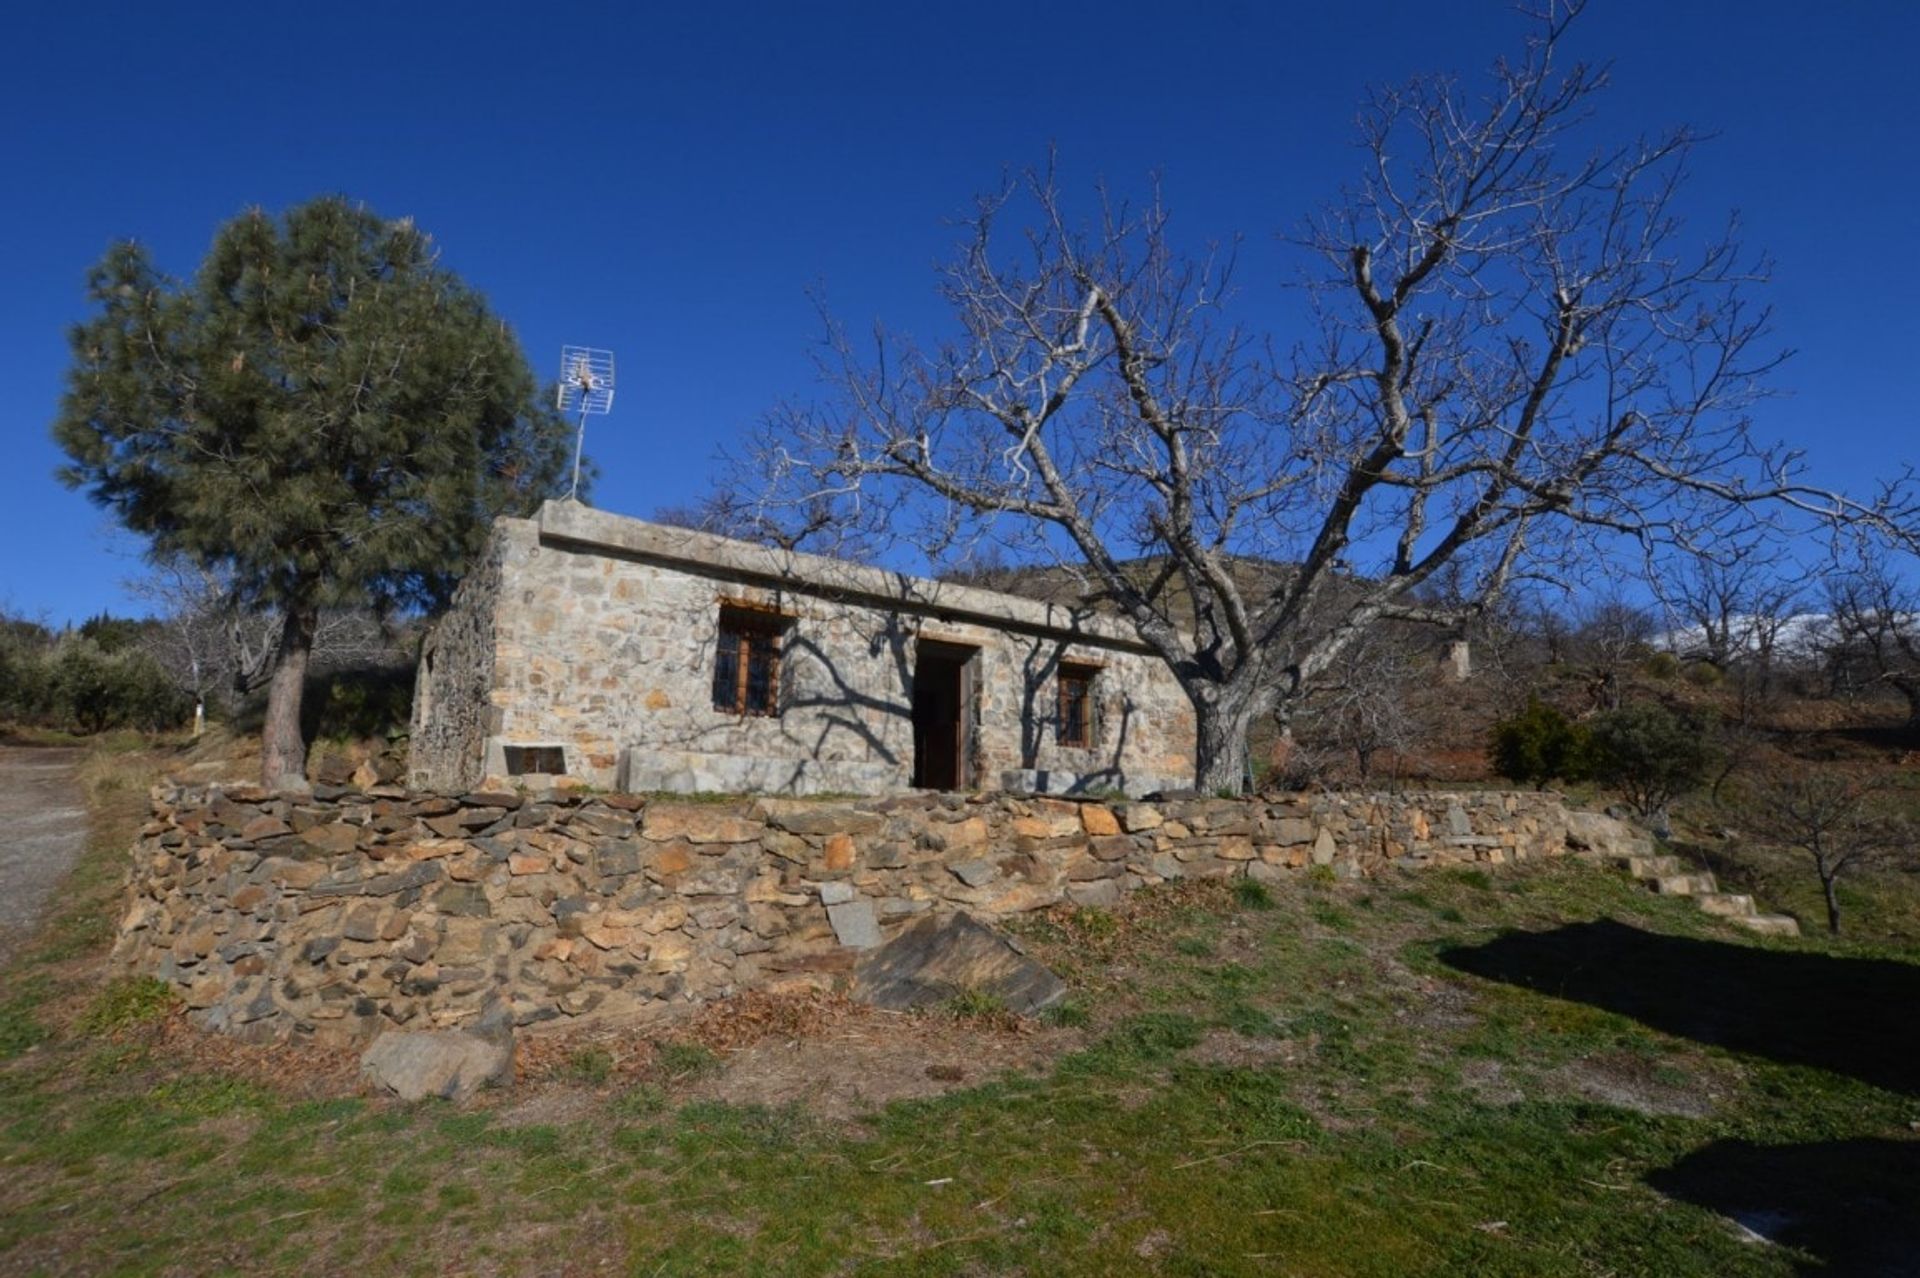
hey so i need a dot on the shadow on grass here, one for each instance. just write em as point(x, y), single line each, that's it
point(1849, 1015)
point(1852, 1205)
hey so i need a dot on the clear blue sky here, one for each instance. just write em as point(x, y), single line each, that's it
point(670, 181)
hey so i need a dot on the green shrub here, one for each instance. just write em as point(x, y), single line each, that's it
point(1650, 754)
point(1539, 745)
point(74, 683)
point(1704, 674)
point(1661, 665)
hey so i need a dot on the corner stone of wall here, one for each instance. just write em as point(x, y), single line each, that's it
point(336, 917)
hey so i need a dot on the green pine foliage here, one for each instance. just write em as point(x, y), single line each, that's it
point(324, 410)
point(1540, 744)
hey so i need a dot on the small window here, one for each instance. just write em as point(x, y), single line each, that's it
point(542, 760)
point(746, 663)
point(1077, 725)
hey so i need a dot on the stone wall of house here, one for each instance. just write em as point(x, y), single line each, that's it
point(353, 911)
point(452, 708)
point(612, 657)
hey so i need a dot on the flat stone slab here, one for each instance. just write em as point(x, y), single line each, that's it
point(943, 955)
point(855, 924)
point(450, 1064)
point(975, 873)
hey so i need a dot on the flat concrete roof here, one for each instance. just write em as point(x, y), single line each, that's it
point(569, 525)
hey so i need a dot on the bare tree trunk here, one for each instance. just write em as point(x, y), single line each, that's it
point(1222, 724)
point(1831, 884)
point(283, 748)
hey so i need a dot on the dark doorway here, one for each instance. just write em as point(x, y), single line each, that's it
point(943, 716)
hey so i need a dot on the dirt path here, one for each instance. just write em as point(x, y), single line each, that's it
point(43, 828)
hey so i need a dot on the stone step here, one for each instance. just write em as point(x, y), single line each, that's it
point(1683, 884)
point(1654, 867)
point(1768, 924)
point(1728, 905)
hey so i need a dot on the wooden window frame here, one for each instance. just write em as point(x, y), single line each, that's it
point(1085, 734)
point(739, 629)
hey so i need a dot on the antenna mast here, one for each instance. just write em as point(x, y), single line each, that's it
point(586, 386)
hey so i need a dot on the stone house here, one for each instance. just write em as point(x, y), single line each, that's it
point(634, 656)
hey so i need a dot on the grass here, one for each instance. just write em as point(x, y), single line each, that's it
point(590, 1065)
point(973, 1004)
point(1308, 1080)
point(128, 1001)
point(684, 1061)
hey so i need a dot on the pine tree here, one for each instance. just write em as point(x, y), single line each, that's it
point(323, 410)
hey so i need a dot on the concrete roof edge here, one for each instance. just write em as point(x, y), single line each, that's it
point(570, 522)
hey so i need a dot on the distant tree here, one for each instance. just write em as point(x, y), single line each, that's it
point(1734, 604)
point(116, 634)
point(1518, 353)
point(1651, 754)
point(1546, 622)
point(1611, 635)
point(1873, 614)
point(324, 414)
point(91, 689)
point(25, 690)
point(1367, 705)
point(1836, 820)
point(218, 650)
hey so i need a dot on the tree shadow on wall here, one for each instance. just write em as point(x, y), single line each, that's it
point(1849, 1015)
point(1853, 1206)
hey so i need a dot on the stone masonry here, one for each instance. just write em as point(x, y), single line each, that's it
point(353, 912)
point(597, 634)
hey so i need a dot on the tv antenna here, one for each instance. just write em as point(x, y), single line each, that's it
point(586, 386)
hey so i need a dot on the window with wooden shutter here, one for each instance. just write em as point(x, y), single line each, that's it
point(746, 665)
point(1076, 717)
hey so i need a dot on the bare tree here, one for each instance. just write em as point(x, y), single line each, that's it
point(1520, 353)
point(215, 648)
point(1731, 607)
point(1833, 818)
point(1366, 704)
point(1612, 634)
point(726, 511)
point(1874, 640)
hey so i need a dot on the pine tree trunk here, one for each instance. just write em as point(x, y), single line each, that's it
point(283, 748)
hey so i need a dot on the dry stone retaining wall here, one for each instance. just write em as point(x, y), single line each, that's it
point(357, 911)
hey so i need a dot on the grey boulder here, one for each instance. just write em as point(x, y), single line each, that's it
point(942, 955)
point(450, 1064)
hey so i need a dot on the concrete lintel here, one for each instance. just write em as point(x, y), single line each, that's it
point(570, 525)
